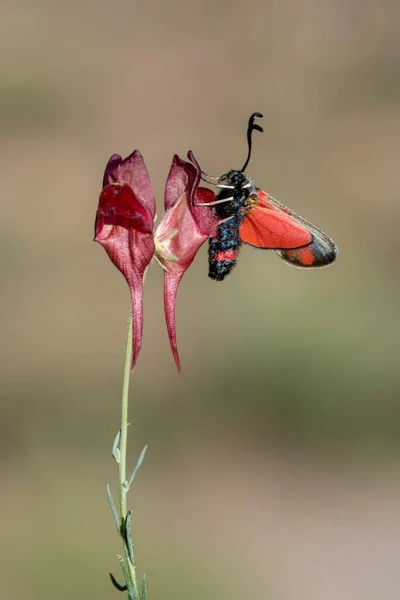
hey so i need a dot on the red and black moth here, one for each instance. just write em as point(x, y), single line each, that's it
point(251, 216)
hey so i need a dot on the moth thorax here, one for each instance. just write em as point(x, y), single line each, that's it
point(251, 200)
point(234, 178)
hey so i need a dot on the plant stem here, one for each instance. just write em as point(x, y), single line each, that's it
point(124, 424)
point(122, 480)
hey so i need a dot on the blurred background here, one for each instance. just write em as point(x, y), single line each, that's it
point(272, 468)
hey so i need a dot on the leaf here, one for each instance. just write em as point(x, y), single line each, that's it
point(131, 590)
point(138, 465)
point(113, 508)
point(144, 588)
point(115, 448)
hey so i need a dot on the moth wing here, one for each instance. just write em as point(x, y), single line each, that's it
point(320, 252)
point(266, 227)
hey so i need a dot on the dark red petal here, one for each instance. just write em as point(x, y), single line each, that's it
point(119, 206)
point(133, 172)
point(204, 217)
point(202, 195)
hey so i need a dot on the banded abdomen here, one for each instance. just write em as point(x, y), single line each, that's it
point(224, 249)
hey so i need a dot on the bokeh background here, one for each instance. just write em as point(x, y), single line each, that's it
point(272, 468)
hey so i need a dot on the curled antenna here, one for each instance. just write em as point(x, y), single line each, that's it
point(250, 128)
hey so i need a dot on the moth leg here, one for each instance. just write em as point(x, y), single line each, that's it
point(225, 220)
point(214, 202)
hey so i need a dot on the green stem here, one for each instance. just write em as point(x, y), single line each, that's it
point(124, 424)
point(123, 483)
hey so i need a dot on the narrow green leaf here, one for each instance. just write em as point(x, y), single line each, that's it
point(131, 590)
point(115, 448)
point(144, 588)
point(138, 465)
point(113, 508)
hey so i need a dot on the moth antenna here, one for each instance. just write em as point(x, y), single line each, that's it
point(250, 128)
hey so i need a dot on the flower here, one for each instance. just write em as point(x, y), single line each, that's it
point(183, 229)
point(124, 227)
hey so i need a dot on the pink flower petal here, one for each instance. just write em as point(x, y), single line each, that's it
point(204, 217)
point(182, 178)
point(181, 248)
point(130, 251)
point(181, 232)
point(124, 222)
point(171, 283)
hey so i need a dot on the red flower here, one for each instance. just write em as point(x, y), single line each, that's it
point(124, 227)
point(183, 229)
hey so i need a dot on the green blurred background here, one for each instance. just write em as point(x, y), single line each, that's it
point(272, 469)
